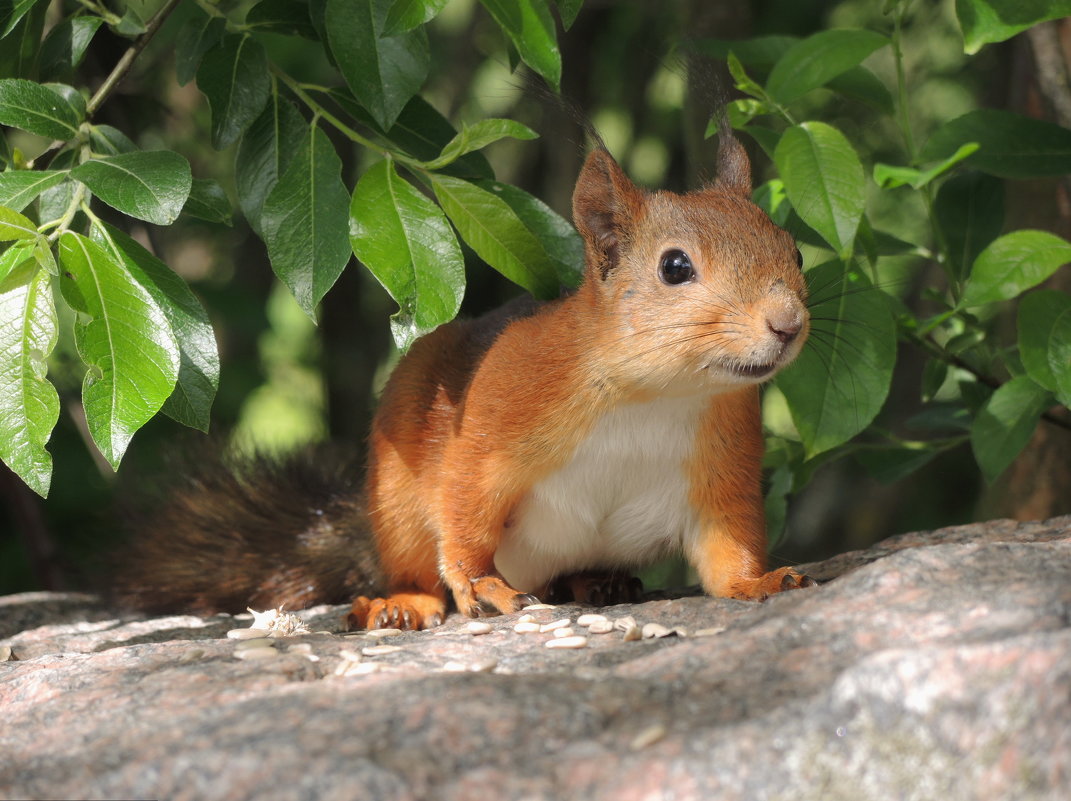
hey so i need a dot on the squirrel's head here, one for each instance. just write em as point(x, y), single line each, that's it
point(696, 290)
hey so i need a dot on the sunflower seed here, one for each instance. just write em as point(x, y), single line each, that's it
point(567, 642)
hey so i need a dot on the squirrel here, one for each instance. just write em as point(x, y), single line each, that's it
point(541, 447)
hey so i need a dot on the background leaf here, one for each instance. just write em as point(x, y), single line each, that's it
point(970, 214)
point(198, 372)
point(818, 59)
point(197, 37)
point(264, 154)
point(838, 383)
point(530, 27)
point(37, 109)
point(1011, 145)
point(889, 176)
point(234, 77)
point(404, 15)
point(1003, 426)
point(305, 221)
point(1014, 263)
point(383, 72)
point(126, 342)
point(151, 185)
point(407, 243)
point(496, 233)
point(65, 46)
point(287, 17)
point(824, 180)
point(985, 21)
point(29, 405)
point(208, 201)
point(1044, 316)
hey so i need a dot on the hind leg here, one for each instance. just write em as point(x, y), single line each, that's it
point(597, 587)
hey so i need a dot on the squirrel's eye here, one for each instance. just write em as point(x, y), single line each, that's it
point(799, 259)
point(675, 267)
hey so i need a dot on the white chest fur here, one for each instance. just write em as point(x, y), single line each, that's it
point(621, 500)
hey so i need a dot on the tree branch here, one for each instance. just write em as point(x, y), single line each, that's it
point(122, 67)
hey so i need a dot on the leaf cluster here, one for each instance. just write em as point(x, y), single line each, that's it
point(143, 336)
point(989, 393)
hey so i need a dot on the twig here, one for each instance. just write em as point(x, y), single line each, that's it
point(122, 67)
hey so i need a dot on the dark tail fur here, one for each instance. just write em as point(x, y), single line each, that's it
point(254, 531)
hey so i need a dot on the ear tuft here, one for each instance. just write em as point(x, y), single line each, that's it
point(734, 167)
point(605, 203)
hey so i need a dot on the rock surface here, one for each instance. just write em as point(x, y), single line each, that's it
point(933, 666)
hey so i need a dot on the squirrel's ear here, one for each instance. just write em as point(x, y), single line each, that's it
point(605, 202)
point(734, 168)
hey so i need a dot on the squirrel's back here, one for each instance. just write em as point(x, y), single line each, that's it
point(253, 530)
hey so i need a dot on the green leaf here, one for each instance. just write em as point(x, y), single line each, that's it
point(234, 77)
point(496, 233)
point(383, 72)
point(198, 371)
point(110, 141)
point(1014, 263)
point(1004, 424)
point(824, 180)
point(196, 38)
point(208, 201)
point(985, 21)
point(127, 343)
point(37, 109)
point(840, 380)
point(286, 17)
point(888, 176)
point(422, 132)
point(151, 185)
point(759, 53)
point(477, 136)
point(15, 256)
point(18, 56)
point(305, 221)
point(65, 46)
point(555, 233)
point(405, 241)
point(889, 465)
point(18, 9)
point(19, 188)
point(742, 80)
point(569, 9)
point(264, 154)
point(1010, 145)
point(530, 26)
point(404, 15)
point(55, 200)
point(29, 405)
point(14, 226)
point(859, 83)
point(775, 505)
point(1044, 318)
point(970, 214)
point(818, 59)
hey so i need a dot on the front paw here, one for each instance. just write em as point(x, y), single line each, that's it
point(491, 595)
point(761, 588)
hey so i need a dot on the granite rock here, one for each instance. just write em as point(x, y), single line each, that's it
point(934, 665)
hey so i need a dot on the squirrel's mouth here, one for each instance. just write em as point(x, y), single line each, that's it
point(753, 370)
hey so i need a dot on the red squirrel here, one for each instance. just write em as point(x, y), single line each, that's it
point(544, 443)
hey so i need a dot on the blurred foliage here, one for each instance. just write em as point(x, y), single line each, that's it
point(632, 70)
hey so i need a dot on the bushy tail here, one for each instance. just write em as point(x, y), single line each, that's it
point(254, 531)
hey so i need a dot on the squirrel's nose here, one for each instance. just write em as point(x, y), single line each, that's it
point(785, 325)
